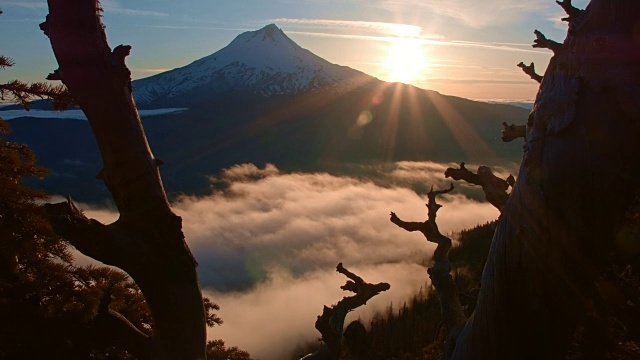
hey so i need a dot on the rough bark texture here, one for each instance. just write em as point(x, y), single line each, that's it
point(147, 240)
point(568, 207)
point(453, 316)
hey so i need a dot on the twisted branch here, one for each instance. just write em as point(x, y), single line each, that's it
point(512, 132)
point(331, 322)
point(571, 10)
point(453, 316)
point(541, 41)
point(531, 71)
point(494, 188)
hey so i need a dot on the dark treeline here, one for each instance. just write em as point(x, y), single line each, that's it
point(413, 331)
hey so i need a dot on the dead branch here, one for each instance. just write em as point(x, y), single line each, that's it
point(513, 131)
point(541, 41)
point(331, 322)
point(571, 10)
point(453, 316)
point(494, 188)
point(531, 71)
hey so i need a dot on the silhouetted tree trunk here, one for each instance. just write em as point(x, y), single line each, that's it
point(575, 197)
point(147, 240)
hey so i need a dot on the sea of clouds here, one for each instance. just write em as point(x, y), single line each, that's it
point(268, 243)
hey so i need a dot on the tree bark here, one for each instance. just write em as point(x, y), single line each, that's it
point(571, 200)
point(147, 240)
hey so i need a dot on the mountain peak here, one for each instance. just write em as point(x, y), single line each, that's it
point(265, 62)
point(271, 32)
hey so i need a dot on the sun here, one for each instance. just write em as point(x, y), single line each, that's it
point(406, 61)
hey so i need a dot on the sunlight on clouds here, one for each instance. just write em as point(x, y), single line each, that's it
point(381, 28)
point(279, 313)
point(267, 245)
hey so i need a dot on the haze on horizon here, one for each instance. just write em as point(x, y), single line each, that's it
point(462, 47)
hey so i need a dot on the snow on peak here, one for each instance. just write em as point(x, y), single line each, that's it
point(266, 62)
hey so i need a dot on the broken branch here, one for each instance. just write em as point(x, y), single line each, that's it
point(531, 71)
point(494, 188)
point(331, 322)
point(512, 132)
point(571, 10)
point(541, 41)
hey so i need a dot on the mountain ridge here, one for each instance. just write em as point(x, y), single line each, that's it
point(265, 62)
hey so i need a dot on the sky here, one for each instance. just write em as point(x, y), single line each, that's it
point(465, 48)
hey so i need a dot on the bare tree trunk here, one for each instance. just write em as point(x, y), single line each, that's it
point(147, 240)
point(570, 203)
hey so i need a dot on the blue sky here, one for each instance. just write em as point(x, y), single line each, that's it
point(467, 48)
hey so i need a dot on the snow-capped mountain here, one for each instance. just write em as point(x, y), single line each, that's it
point(264, 62)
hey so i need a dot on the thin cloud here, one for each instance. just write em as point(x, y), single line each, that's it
point(383, 28)
point(476, 81)
point(511, 47)
point(114, 7)
point(472, 13)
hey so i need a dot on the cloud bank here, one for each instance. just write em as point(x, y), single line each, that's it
point(267, 245)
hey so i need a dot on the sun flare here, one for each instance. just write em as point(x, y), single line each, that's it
point(406, 61)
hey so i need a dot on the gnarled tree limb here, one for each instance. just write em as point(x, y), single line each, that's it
point(147, 241)
point(571, 10)
point(531, 71)
point(494, 188)
point(453, 316)
point(331, 323)
point(541, 41)
point(513, 131)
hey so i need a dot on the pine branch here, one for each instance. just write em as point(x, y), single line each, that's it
point(23, 93)
point(6, 62)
